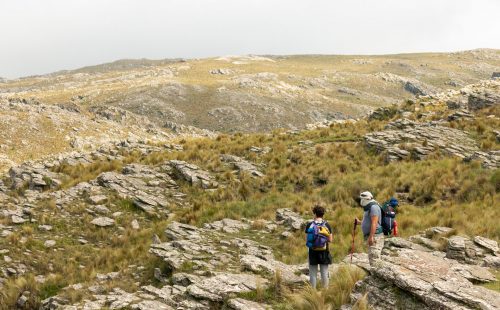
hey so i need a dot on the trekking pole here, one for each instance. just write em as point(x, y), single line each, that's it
point(353, 237)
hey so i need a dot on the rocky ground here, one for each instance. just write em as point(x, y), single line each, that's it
point(101, 220)
point(421, 273)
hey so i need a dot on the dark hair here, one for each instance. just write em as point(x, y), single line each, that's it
point(319, 211)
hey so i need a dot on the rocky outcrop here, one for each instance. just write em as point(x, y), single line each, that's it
point(419, 88)
point(483, 99)
point(228, 226)
point(409, 276)
point(404, 138)
point(148, 188)
point(222, 285)
point(290, 219)
point(241, 165)
point(193, 174)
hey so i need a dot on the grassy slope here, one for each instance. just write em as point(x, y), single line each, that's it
point(443, 192)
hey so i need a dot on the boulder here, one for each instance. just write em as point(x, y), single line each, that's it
point(241, 165)
point(290, 219)
point(193, 174)
point(407, 277)
point(490, 245)
point(218, 287)
point(483, 99)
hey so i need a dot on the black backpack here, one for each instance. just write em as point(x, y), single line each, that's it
point(388, 216)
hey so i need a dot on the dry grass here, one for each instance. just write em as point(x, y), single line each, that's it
point(333, 297)
point(333, 170)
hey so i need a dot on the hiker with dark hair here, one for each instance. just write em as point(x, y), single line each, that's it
point(318, 237)
point(371, 226)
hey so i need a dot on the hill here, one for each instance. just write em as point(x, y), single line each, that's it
point(157, 99)
point(216, 222)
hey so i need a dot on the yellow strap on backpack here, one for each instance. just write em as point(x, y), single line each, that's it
point(323, 230)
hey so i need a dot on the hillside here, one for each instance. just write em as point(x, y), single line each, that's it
point(216, 222)
point(257, 93)
point(155, 100)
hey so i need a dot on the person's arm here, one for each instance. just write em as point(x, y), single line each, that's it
point(330, 237)
point(373, 229)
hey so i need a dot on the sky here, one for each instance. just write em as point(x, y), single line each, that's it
point(43, 36)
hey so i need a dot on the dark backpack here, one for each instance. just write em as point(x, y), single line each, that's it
point(317, 236)
point(388, 215)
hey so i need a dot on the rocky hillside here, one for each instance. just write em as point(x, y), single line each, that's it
point(256, 93)
point(82, 109)
point(157, 219)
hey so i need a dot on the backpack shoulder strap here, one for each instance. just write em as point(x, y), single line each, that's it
point(369, 208)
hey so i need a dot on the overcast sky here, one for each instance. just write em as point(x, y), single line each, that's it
point(42, 36)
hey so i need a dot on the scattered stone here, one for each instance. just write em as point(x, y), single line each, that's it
point(103, 222)
point(98, 199)
point(49, 243)
point(135, 224)
point(45, 227)
point(156, 239)
point(17, 219)
point(285, 235)
point(101, 209)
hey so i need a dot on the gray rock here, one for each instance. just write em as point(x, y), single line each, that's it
point(185, 279)
point(418, 88)
point(290, 218)
point(49, 243)
point(409, 278)
point(135, 224)
point(103, 222)
point(17, 219)
point(456, 248)
point(438, 231)
point(482, 99)
point(151, 305)
point(227, 226)
point(98, 199)
point(243, 304)
point(241, 165)
point(101, 209)
point(193, 174)
point(222, 285)
point(45, 227)
point(490, 245)
point(271, 266)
